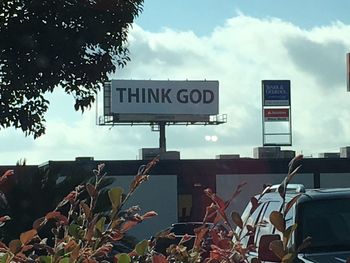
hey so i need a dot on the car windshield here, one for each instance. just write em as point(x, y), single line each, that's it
point(327, 222)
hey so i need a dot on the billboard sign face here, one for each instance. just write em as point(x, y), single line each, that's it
point(157, 97)
point(276, 92)
point(276, 114)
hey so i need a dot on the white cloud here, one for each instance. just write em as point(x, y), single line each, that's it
point(239, 54)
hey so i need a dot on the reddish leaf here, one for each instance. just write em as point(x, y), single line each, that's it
point(255, 204)
point(157, 258)
point(61, 219)
point(290, 204)
point(210, 213)
point(15, 246)
point(138, 180)
point(26, 248)
point(236, 193)
point(86, 209)
point(71, 245)
point(90, 230)
point(276, 246)
point(116, 235)
point(74, 254)
point(185, 238)
point(39, 223)
point(149, 214)
point(52, 215)
point(276, 218)
point(288, 233)
point(26, 237)
point(8, 173)
point(128, 225)
point(91, 190)
point(215, 236)
point(2, 245)
point(200, 233)
point(306, 243)
point(292, 174)
point(236, 218)
point(103, 250)
point(225, 244)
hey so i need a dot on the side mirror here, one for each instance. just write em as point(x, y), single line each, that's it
point(264, 252)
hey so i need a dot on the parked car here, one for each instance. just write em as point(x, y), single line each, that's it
point(322, 214)
point(178, 231)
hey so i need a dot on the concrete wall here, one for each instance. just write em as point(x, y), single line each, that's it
point(158, 194)
point(334, 180)
point(226, 185)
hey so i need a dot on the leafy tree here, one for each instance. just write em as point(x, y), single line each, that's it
point(45, 44)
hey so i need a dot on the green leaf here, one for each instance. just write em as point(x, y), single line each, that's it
point(3, 258)
point(123, 258)
point(64, 260)
point(100, 225)
point(45, 259)
point(276, 218)
point(115, 196)
point(74, 231)
point(141, 247)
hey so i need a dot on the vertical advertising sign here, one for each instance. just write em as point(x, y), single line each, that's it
point(276, 92)
point(276, 113)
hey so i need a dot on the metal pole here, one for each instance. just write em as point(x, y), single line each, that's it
point(162, 138)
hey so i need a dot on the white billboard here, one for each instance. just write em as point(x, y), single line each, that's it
point(164, 97)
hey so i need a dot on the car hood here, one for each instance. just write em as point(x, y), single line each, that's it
point(340, 257)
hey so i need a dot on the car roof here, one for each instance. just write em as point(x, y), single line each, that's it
point(324, 193)
point(307, 195)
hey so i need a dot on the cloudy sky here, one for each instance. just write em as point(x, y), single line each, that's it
point(237, 42)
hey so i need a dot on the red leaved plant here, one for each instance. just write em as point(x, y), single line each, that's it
point(81, 234)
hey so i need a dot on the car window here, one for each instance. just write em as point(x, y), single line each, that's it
point(327, 222)
point(249, 220)
point(266, 227)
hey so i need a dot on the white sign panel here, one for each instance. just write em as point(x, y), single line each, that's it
point(164, 97)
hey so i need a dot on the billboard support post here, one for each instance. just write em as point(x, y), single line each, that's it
point(162, 137)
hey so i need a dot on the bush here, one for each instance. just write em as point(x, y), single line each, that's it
point(79, 232)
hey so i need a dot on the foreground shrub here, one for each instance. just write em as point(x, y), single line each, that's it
point(79, 234)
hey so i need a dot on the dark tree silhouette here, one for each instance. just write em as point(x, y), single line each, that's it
point(48, 44)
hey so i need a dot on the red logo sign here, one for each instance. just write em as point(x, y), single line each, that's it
point(276, 114)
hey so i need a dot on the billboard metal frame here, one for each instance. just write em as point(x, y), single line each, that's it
point(158, 122)
point(278, 98)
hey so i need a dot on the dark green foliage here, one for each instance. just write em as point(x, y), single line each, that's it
point(72, 44)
